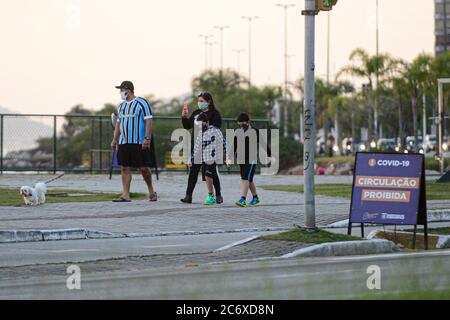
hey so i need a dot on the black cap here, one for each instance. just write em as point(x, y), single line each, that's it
point(243, 117)
point(126, 85)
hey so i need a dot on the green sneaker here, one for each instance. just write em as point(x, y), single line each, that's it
point(254, 202)
point(241, 203)
point(210, 200)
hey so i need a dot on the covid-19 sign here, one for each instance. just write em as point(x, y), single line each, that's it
point(388, 189)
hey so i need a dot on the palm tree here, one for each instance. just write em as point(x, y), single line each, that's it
point(271, 95)
point(368, 67)
point(417, 77)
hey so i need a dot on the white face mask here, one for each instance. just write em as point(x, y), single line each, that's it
point(124, 95)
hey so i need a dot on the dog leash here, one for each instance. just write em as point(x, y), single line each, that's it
point(58, 177)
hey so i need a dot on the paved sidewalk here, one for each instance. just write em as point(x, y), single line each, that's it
point(279, 210)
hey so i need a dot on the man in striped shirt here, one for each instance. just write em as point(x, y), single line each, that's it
point(133, 134)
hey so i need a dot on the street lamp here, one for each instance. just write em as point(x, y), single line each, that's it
point(238, 55)
point(211, 44)
point(286, 7)
point(250, 20)
point(377, 71)
point(206, 37)
point(221, 28)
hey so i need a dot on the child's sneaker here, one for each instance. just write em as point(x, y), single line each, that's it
point(219, 199)
point(210, 200)
point(241, 203)
point(254, 202)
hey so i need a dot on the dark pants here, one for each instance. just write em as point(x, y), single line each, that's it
point(193, 177)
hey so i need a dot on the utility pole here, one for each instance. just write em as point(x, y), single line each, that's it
point(206, 37)
point(310, 13)
point(375, 107)
point(424, 122)
point(221, 28)
point(211, 53)
point(286, 116)
point(250, 20)
point(238, 55)
point(328, 45)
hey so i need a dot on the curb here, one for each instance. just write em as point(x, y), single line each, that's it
point(345, 248)
point(195, 233)
point(443, 241)
point(54, 235)
point(12, 236)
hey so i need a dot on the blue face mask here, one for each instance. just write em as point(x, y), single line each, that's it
point(203, 106)
point(124, 95)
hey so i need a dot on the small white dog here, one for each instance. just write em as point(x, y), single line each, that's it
point(34, 196)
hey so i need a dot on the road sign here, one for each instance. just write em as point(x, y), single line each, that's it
point(388, 189)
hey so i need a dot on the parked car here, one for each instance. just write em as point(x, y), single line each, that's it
point(386, 145)
point(431, 142)
point(347, 146)
point(410, 144)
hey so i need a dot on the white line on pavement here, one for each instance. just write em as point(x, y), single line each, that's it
point(234, 244)
point(166, 246)
point(73, 250)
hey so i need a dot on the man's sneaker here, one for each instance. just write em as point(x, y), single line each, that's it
point(187, 199)
point(219, 199)
point(241, 203)
point(210, 200)
point(254, 202)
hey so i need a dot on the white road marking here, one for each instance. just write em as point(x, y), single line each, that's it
point(166, 246)
point(74, 250)
point(237, 243)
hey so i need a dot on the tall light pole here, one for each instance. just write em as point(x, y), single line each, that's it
point(375, 111)
point(250, 20)
point(221, 28)
point(211, 53)
point(285, 7)
point(328, 45)
point(206, 37)
point(289, 58)
point(309, 126)
point(238, 55)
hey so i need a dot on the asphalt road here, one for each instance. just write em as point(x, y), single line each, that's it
point(312, 278)
point(43, 252)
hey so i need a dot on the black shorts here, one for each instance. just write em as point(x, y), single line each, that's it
point(132, 155)
point(247, 171)
point(209, 170)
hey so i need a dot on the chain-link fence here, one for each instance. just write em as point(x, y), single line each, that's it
point(78, 143)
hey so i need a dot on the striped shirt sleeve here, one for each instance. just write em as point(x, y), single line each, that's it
point(146, 109)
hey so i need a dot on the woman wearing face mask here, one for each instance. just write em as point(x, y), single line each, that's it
point(205, 105)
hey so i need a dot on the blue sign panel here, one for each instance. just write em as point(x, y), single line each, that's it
point(388, 189)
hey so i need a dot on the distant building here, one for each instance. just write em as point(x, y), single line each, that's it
point(442, 26)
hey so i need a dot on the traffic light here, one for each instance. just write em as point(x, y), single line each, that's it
point(325, 5)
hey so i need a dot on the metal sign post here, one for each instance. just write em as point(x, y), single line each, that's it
point(309, 127)
point(440, 156)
